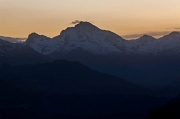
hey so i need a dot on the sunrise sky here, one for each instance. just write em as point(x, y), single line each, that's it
point(128, 18)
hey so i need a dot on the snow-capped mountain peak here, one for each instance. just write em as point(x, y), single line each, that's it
point(84, 35)
point(146, 38)
point(86, 25)
point(174, 33)
point(34, 36)
point(89, 38)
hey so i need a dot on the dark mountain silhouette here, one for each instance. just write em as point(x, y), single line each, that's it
point(170, 110)
point(172, 89)
point(63, 89)
point(67, 78)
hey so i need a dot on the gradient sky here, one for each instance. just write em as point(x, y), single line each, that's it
point(130, 18)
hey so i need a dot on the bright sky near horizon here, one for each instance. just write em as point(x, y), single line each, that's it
point(128, 18)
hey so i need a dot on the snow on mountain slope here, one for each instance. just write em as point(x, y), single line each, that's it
point(171, 42)
point(90, 38)
point(84, 35)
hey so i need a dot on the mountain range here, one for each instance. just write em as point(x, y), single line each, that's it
point(107, 52)
point(90, 38)
point(146, 61)
point(87, 72)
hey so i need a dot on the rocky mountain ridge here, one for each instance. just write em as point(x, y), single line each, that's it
point(94, 40)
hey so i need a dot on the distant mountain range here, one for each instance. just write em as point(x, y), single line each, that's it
point(90, 38)
point(145, 61)
point(13, 40)
point(87, 72)
point(109, 53)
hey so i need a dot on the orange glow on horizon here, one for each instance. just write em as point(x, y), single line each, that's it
point(126, 17)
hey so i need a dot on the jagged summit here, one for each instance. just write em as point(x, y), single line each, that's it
point(146, 38)
point(33, 33)
point(34, 36)
point(174, 33)
point(82, 26)
point(85, 24)
point(31, 37)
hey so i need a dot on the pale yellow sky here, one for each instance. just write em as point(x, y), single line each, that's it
point(129, 18)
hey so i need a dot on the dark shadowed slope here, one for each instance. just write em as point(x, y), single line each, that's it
point(16, 54)
point(168, 111)
point(68, 77)
point(172, 89)
point(70, 90)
